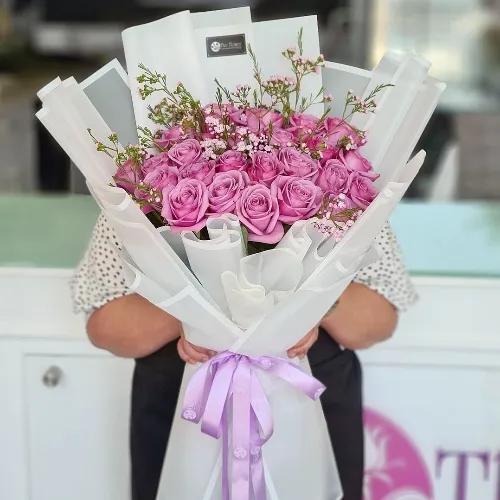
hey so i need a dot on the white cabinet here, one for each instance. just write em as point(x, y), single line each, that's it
point(77, 427)
point(64, 405)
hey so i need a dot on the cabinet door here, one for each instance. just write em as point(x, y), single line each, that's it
point(78, 418)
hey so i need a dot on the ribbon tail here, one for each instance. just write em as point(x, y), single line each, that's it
point(257, 465)
point(241, 431)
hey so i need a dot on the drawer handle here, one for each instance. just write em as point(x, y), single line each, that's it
point(52, 376)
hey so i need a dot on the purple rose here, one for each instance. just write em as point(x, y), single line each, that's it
point(257, 208)
point(298, 164)
point(354, 161)
point(219, 110)
point(231, 160)
point(301, 123)
point(328, 154)
point(203, 170)
point(333, 177)
point(260, 119)
point(225, 191)
point(185, 205)
point(162, 176)
point(128, 175)
point(265, 168)
point(360, 189)
point(169, 136)
point(337, 129)
point(282, 138)
point(185, 152)
point(298, 199)
point(155, 161)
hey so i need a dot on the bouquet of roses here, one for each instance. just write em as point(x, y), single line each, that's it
point(256, 154)
point(245, 217)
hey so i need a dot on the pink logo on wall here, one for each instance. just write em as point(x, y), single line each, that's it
point(394, 467)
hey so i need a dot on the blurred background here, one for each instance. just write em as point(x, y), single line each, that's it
point(432, 389)
point(44, 38)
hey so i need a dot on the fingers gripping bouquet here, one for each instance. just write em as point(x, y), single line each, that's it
point(245, 216)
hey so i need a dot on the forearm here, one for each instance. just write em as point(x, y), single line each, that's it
point(132, 327)
point(361, 318)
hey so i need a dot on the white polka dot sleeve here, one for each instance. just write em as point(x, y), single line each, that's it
point(388, 276)
point(100, 277)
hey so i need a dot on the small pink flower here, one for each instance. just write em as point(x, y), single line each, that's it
point(231, 160)
point(360, 189)
point(225, 191)
point(333, 177)
point(298, 199)
point(203, 170)
point(185, 152)
point(128, 175)
point(265, 168)
point(298, 164)
point(185, 205)
point(257, 208)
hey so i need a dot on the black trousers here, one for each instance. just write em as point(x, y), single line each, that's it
point(155, 389)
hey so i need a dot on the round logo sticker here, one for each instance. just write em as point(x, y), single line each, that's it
point(394, 467)
point(215, 46)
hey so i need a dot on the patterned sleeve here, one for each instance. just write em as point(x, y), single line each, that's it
point(99, 277)
point(388, 276)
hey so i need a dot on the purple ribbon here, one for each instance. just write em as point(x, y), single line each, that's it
point(227, 387)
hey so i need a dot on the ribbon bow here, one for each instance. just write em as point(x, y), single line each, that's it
point(227, 386)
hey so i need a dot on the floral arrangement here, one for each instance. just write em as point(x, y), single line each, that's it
point(255, 153)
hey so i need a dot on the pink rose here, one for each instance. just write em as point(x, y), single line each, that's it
point(128, 175)
point(298, 164)
point(298, 199)
point(169, 136)
point(282, 138)
point(259, 119)
point(301, 123)
point(265, 168)
point(203, 170)
point(257, 208)
point(336, 129)
point(360, 189)
point(354, 161)
point(218, 110)
point(162, 176)
point(333, 177)
point(185, 205)
point(231, 160)
point(155, 161)
point(328, 154)
point(185, 152)
point(225, 191)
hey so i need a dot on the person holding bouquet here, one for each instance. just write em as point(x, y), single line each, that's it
point(129, 326)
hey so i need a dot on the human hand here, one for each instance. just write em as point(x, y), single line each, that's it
point(301, 348)
point(191, 353)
